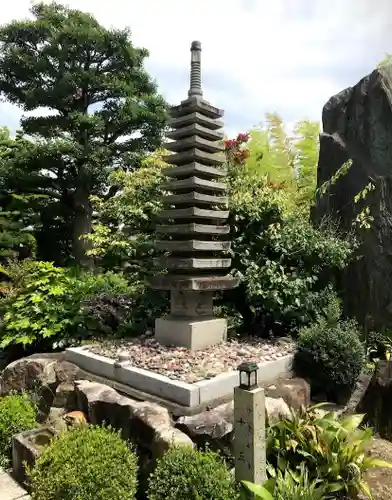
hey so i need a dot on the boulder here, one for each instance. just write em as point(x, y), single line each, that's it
point(357, 125)
point(56, 420)
point(146, 424)
point(275, 410)
point(357, 395)
point(376, 403)
point(294, 391)
point(380, 478)
point(63, 395)
point(40, 374)
point(32, 372)
point(215, 427)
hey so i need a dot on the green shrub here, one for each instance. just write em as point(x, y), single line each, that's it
point(86, 463)
point(326, 447)
point(187, 474)
point(379, 346)
point(17, 414)
point(288, 486)
point(123, 315)
point(332, 356)
point(44, 307)
point(286, 265)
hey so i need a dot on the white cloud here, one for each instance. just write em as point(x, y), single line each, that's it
point(258, 55)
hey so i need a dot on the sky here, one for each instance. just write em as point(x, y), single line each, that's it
point(258, 56)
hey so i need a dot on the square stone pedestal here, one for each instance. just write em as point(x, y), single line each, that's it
point(191, 333)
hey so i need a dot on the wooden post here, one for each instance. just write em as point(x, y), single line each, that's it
point(249, 435)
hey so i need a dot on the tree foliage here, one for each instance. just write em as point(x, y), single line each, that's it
point(124, 225)
point(17, 214)
point(286, 264)
point(104, 114)
point(387, 60)
point(287, 161)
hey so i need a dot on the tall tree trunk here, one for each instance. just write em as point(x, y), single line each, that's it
point(82, 226)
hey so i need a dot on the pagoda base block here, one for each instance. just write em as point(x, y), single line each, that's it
point(190, 333)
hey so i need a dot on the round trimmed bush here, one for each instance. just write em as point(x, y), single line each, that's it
point(187, 474)
point(17, 414)
point(86, 463)
point(331, 356)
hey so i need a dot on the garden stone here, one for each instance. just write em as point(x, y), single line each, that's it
point(166, 437)
point(32, 372)
point(356, 397)
point(215, 427)
point(357, 125)
point(55, 419)
point(294, 391)
point(26, 447)
point(40, 374)
point(379, 478)
point(146, 424)
point(28, 375)
point(275, 410)
point(63, 394)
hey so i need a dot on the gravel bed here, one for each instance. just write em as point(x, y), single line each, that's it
point(179, 363)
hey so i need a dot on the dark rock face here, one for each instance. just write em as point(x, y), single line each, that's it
point(376, 403)
point(357, 125)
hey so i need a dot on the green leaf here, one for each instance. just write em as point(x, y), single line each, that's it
point(364, 487)
point(258, 490)
point(352, 422)
point(371, 462)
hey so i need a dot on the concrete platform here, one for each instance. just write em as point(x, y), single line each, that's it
point(10, 489)
point(196, 395)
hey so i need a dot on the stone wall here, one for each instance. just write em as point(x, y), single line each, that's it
point(148, 425)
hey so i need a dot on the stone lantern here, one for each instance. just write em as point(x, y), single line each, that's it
point(194, 231)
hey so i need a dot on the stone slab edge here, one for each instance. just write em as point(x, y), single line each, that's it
point(182, 393)
point(10, 489)
point(223, 384)
point(140, 379)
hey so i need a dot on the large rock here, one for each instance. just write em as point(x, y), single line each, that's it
point(215, 427)
point(146, 424)
point(379, 478)
point(32, 372)
point(376, 403)
point(294, 391)
point(357, 125)
point(42, 375)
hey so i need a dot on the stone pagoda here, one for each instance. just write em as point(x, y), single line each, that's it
point(194, 233)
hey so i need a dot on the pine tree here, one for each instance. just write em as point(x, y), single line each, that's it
point(105, 115)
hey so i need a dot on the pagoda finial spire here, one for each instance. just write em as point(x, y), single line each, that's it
point(195, 80)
